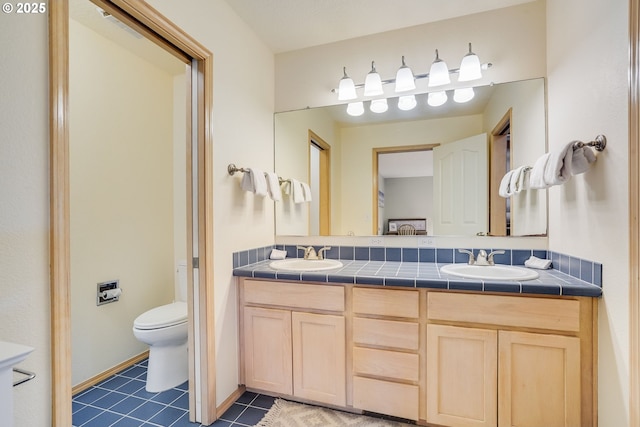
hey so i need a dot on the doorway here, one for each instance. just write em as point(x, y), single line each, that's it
point(149, 23)
point(320, 182)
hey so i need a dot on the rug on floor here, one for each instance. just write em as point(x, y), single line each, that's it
point(290, 414)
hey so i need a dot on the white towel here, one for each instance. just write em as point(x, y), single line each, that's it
point(519, 179)
point(558, 169)
point(277, 254)
point(539, 263)
point(273, 185)
point(255, 182)
point(306, 190)
point(536, 177)
point(296, 191)
point(505, 185)
point(581, 160)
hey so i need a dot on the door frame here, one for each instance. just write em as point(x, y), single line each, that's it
point(159, 29)
point(324, 186)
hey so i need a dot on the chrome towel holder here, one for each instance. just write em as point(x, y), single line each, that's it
point(599, 143)
point(232, 169)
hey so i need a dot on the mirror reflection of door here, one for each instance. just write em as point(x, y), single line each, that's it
point(403, 185)
point(500, 162)
point(320, 183)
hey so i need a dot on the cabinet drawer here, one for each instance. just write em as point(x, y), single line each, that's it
point(399, 400)
point(294, 295)
point(386, 302)
point(539, 313)
point(385, 333)
point(384, 363)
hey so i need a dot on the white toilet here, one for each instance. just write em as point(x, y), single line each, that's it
point(164, 329)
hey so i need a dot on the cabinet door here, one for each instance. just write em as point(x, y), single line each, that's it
point(267, 349)
point(462, 376)
point(319, 367)
point(539, 380)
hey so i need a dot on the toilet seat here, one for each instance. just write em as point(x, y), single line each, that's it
point(162, 317)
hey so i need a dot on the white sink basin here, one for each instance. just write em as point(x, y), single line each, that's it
point(490, 272)
point(297, 264)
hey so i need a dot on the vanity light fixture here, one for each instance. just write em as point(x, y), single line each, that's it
point(463, 95)
point(405, 80)
point(470, 68)
point(346, 89)
point(379, 105)
point(439, 72)
point(355, 109)
point(436, 99)
point(373, 82)
point(407, 102)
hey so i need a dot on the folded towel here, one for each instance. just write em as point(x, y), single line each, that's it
point(277, 254)
point(273, 185)
point(255, 182)
point(519, 179)
point(558, 169)
point(581, 160)
point(505, 185)
point(296, 191)
point(306, 190)
point(536, 177)
point(539, 263)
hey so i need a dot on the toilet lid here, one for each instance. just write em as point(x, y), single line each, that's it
point(163, 316)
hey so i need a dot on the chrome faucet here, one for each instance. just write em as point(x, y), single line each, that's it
point(322, 252)
point(472, 259)
point(311, 254)
point(484, 259)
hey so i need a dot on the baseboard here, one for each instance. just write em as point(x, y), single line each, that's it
point(230, 401)
point(110, 372)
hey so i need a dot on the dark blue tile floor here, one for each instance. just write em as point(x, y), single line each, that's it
point(122, 401)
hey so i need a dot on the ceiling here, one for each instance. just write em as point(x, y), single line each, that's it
point(286, 25)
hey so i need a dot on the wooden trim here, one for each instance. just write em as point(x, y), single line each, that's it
point(166, 34)
point(324, 188)
point(634, 210)
point(374, 162)
point(229, 401)
point(109, 372)
point(59, 213)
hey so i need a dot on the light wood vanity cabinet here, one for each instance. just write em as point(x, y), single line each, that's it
point(441, 358)
point(292, 352)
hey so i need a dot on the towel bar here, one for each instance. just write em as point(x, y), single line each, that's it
point(232, 169)
point(30, 376)
point(599, 143)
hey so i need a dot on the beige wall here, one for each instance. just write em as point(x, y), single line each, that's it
point(121, 181)
point(587, 68)
point(242, 134)
point(24, 212)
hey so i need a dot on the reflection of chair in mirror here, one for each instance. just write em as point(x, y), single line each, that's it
point(406, 230)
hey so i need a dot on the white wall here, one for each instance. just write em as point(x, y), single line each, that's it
point(513, 39)
point(243, 99)
point(587, 46)
point(121, 196)
point(409, 198)
point(24, 212)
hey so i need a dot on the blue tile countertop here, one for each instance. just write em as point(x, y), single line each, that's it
point(424, 275)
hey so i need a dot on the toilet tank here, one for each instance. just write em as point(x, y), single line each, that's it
point(181, 281)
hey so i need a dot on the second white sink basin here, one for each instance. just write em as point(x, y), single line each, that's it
point(297, 264)
point(490, 272)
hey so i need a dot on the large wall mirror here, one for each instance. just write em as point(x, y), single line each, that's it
point(437, 166)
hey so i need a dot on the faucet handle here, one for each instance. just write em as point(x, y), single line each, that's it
point(472, 259)
point(490, 258)
point(321, 251)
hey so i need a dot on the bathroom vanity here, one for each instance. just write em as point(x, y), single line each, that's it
point(437, 356)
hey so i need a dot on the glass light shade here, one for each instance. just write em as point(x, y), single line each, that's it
point(406, 103)
point(379, 106)
point(439, 73)
point(463, 95)
point(373, 82)
point(404, 78)
point(470, 68)
point(355, 109)
point(346, 89)
point(436, 99)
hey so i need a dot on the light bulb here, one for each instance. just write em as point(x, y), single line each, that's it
point(355, 109)
point(436, 99)
point(346, 89)
point(404, 78)
point(373, 82)
point(379, 105)
point(439, 72)
point(463, 95)
point(406, 103)
point(470, 68)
